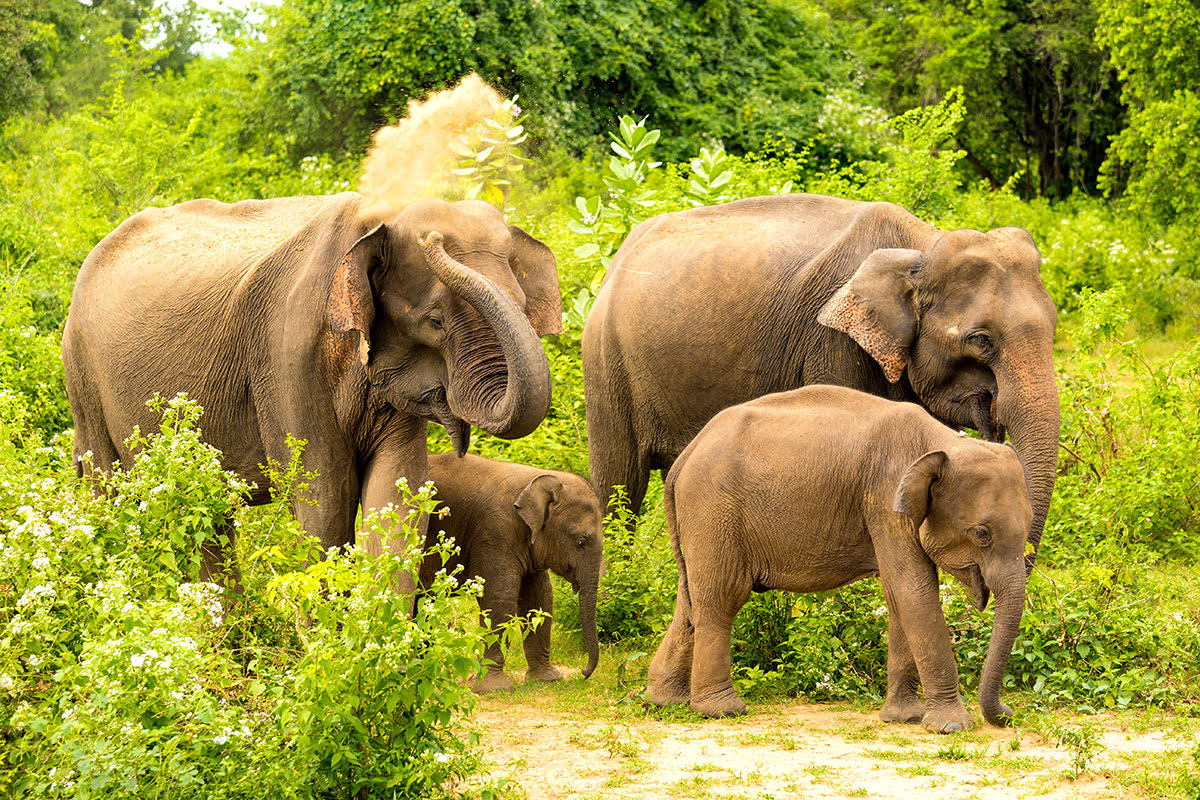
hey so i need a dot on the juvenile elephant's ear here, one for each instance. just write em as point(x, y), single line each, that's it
point(912, 495)
point(535, 500)
point(876, 308)
point(351, 306)
point(537, 272)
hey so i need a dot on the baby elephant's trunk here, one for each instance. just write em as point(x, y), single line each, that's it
point(1010, 602)
point(587, 620)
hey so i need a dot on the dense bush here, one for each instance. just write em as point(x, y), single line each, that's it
point(121, 676)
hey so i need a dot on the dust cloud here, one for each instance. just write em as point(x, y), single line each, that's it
point(412, 158)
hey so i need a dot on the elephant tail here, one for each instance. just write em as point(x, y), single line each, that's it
point(683, 601)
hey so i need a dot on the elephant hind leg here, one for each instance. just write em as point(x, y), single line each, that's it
point(669, 679)
point(902, 704)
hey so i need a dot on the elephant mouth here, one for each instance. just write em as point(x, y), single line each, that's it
point(981, 415)
point(434, 407)
point(972, 578)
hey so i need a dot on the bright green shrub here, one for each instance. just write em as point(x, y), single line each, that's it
point(120, 676)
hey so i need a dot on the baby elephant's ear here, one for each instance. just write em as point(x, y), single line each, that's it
point(912, 495)
point(535, 501)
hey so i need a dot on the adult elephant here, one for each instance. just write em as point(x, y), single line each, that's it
point(303, 316)
point(706, 308)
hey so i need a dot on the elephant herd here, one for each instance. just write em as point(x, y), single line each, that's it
point(309, 317)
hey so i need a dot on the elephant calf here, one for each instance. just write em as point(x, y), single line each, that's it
point(812, 489)
point(512, 523)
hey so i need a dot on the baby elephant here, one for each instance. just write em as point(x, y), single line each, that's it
point(816, 488)
point(512, 523)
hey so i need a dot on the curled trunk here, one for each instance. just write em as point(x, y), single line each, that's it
point(1010, 602)
point(499, 374)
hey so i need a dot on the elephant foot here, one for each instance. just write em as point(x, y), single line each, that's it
point(492, 682)
point(909, 710)
point(543, 672)
point(722, 704)
point(950, 719)
point(1001, 716)
point(664, 693)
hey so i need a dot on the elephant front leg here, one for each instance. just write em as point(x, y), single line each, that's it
point(499, 602)
point(902, 704)
point(913, 594)
point(538, 595)
point(401, 454)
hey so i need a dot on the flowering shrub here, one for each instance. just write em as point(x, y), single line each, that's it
point(122, 676)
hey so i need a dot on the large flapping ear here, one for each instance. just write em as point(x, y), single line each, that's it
point(351, 306)
point(912, 495)
point(537, 272)
point(535, 501)
point(877, 308)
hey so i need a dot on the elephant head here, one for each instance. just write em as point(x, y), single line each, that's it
point(448, 303)
point(971, 325)
point(566, 537)
point(971, 511)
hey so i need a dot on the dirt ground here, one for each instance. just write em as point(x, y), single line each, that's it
point(553, 748)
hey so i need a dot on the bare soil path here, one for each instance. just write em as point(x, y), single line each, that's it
point(557, 742)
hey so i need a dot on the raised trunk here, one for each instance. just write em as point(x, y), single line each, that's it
point(501, 385)
point(1010, 602)
point(587, 621)
point(1027, 405)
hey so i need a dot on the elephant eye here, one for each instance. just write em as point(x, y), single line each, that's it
point(582, 543)
point(981, 340)
point(436, 321)
point(983, 537)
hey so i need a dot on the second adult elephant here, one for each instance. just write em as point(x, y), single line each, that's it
point(707, 308)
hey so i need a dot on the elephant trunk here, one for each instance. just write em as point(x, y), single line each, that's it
point(1027, 405)
point(500, 377)
point(587, 620)
point(1010, 602)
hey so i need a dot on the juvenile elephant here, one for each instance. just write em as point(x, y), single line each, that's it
point(710, 307)
point(302, 316)
point(512, 523)
point(815, 488)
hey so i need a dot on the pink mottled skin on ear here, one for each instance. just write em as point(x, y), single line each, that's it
point(845, 313)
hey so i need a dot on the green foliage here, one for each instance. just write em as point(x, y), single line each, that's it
point(606, 221)
point(637, 590)
point(333, 71)
point(1083, 740)
point(1041, 96)
point(120, 676)
point(917, 171)
point(488, 160)
point(709, 177)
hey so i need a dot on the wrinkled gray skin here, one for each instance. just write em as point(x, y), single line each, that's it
point(299, 316)
point(819, 487)
point(512, 523)
point(707, 308)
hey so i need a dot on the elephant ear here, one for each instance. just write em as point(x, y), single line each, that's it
point(535, 501)
point(351, 306)
point(877, 308)
point(912, 495)
point(537, 272)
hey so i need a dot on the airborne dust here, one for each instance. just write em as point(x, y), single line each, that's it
point(412, 158)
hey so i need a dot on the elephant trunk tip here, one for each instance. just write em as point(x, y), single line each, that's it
point(590, 668)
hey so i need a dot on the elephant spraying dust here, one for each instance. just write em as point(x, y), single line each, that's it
point(815, 488)
point(303, 316)
point(512, 523)
point(707, 308)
